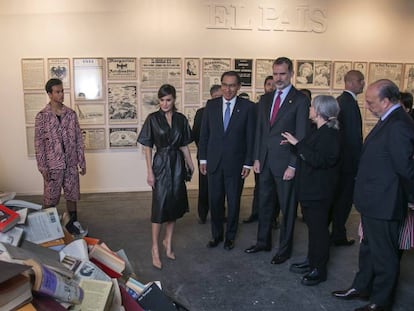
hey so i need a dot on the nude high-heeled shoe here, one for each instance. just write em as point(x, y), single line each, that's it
point(170, 254)
point(156, 262)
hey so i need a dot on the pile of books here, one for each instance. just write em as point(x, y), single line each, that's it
point(44, 268)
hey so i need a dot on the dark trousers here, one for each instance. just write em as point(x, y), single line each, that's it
point(223, 186)
point(274, 188)
point(379, 260)
point(256, 197)
point(316, 215)
point(342, 205)
point(202, 196)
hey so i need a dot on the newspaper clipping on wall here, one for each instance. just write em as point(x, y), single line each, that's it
point(191, 94)
point(33, 103)
point(340, 68)
point(192, 68)
point(409, 78)
point(59, 68)
point(263, 69)
point(391, 71)
point(158, 71)
point(123, 137)
point(244, 67)
point(122, 103)
point(213, 68)
point(93, 138)
point(122, 68)
point(33, 73)
point(88, 77)
point(90, 114)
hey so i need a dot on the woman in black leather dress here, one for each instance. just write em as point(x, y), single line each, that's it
point(170, 133)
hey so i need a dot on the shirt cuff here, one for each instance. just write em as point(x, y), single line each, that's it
point(203, 161)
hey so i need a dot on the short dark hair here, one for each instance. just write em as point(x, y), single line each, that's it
point(307, 92)
point(231, 73)
point(244, 95)
point(353, 74)
point(214, 88)
point(51, 83)
point(284, 60)
point(406, 100)
point(167, 89)
point(388, 89)
point(267, 79)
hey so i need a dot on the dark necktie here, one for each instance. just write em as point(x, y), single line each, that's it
point(276, 106)
point(226, 116)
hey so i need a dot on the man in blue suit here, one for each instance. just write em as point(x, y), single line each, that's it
point(383, 183)
point(226, 155)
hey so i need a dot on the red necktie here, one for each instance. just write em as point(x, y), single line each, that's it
point(276, 106)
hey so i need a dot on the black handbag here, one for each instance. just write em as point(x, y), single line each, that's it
point(188, 174)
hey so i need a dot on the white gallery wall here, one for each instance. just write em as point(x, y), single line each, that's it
point(369, 30)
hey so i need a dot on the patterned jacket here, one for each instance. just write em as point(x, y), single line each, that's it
point(58, 145)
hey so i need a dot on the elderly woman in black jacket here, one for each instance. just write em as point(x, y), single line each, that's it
point(318, 155)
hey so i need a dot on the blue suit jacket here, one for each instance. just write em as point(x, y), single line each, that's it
point(230, 149)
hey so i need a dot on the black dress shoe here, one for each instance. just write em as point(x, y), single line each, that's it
point(313, 278)
point(300, 267)
point(201, 221)
point(229, 244)
point(255, 249)
point(371, 307)
point(278, 259)
point(349, 294)
point(214, 242)
point(343, 242)
point(250, 219)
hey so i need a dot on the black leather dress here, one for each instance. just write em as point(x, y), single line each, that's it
point(169, 194)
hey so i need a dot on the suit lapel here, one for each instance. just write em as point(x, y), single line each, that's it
point(234, 115)
point(267, 109)
point(378, 127)
point(218, 113)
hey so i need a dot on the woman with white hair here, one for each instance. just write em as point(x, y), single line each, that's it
point(316, 172)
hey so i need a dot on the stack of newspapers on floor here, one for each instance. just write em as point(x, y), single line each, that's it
point(42, 267)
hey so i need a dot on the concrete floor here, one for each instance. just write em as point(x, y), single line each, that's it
point(216, 279)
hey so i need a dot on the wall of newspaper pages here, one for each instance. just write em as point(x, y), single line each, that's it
point(112, 96)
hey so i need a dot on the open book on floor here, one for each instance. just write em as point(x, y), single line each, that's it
point(43, 226)
point(98, 295)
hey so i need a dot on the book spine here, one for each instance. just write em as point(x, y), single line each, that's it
point(132, 293)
